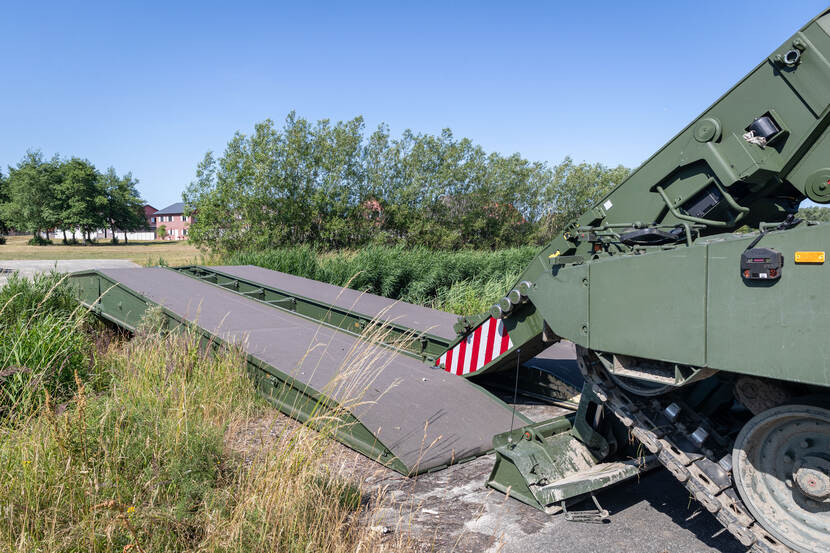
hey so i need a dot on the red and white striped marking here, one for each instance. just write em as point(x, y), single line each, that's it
point(481, 346)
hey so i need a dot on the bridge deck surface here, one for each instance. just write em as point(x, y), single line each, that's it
point(421, 319)
point(425, 416)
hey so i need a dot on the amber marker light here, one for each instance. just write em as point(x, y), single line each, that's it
point(809, 257)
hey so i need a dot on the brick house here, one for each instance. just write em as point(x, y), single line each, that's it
point(149, 215)
point(175, 222)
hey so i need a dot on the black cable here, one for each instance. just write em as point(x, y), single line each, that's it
point(787, 223)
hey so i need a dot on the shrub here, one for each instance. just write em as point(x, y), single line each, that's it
point(38, 240)
point(2, 239)
point(159, 261)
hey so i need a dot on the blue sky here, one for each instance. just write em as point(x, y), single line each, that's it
point(149, 87)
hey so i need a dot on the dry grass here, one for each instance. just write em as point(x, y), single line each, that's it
point(178, 252)
point(147, 462)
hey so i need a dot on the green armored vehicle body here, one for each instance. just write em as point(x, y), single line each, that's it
point(711, 347)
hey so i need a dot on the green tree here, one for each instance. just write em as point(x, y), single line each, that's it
point(123, 209)
point(4, 199)
point(33, 204)
point(573, 190)
point(329, 184)
point(814, 213)
point(161, 232)
point(82, 196)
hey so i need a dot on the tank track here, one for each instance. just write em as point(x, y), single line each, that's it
point(704, 466)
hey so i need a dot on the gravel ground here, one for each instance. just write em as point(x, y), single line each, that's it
point(453, 510)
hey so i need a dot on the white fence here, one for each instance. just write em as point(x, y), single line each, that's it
point(101, 235)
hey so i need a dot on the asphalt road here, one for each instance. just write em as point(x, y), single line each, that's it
point(30, 267)
point(452, 510)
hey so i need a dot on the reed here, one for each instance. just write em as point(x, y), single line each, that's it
point(462, 282)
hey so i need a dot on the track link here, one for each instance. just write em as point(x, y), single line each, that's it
point(673, 432)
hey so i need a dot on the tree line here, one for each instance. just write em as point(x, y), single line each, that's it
point(334, 185)
point(40, 195)
point(815, 213)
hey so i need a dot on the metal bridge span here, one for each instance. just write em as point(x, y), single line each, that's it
point(307, 353)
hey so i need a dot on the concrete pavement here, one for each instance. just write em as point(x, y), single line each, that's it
point(28, 267)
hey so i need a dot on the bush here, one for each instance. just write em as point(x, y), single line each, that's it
point(159, 261)
point(2, 239)
point(38, 240)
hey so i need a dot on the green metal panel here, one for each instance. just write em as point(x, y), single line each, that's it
point(776, 329)
point(544, 464)
point(516, 456)
point(423, 346)
point(651, 305)
point(106, 299)
point(561, 294)
point(125, 308)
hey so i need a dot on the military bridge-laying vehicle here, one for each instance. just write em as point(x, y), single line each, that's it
point(695, 297)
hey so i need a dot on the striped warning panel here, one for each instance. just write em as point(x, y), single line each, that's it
point(481, 346)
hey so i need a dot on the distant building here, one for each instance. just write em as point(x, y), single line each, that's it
point(149, 214)
point(147, 233)
point(176, 223)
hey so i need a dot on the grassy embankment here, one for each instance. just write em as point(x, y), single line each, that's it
point(108, 444)
point(172, 252)
point(463, 282)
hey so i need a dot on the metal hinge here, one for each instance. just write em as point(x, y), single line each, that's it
point(598, 515)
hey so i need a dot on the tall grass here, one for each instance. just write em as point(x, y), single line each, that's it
point(463, 282)
point(143, 464)
point(43, 343)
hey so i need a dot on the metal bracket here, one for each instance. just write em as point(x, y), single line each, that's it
point(597, 516)
point(292, 302)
